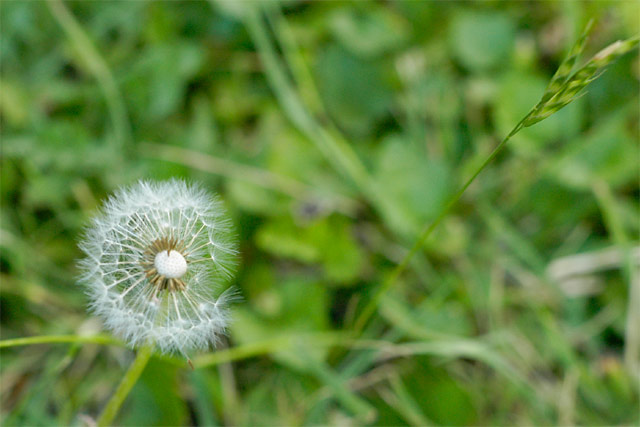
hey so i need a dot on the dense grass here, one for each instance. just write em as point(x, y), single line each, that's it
point(335, 132)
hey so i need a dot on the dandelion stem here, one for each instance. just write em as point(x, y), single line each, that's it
point(126, 384)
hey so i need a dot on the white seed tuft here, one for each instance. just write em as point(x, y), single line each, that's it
point(155, 254)
point(171, 265)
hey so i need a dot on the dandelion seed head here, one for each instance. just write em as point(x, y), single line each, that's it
point(155, 255)
point(171, 265)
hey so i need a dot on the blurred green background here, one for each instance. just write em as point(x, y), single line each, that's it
point(333, 131)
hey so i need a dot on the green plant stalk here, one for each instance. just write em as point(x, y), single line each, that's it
point(48, 339)
point(371, 306)
point(133, 373)
point(269, 346)
point(126, 384)
point(261, 177)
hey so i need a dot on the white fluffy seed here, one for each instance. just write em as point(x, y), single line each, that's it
point(170, 265)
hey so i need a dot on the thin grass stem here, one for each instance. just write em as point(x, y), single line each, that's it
point(373, 303)
point(261, 177)
point(51, 339)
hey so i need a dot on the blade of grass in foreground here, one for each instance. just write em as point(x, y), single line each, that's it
point(49, 339)
point(564, 87)
point(99, 68)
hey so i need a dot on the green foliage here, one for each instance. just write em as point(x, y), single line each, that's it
point(482, 40)
point(418, 184)
point(354, 90)
point(368, 31)
point(335, 131)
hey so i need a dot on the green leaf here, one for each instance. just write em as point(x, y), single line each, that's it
point(428, 320)
point(417, 184)
point(441, 398)
point(327, 241)
point(609, 153)
point(283, 239)
point(256, 199)
point(369, 31)
point(301, 307)
point(355, 91)
point(482, 40)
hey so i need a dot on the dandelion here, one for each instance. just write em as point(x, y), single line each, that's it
point(155, 255)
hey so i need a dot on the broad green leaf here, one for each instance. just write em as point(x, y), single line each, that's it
point(369, 31)
point(482, 40)
point(441, 398)
point(302, 308)
point(417, 184)
point(327, 241)
point(608, 153)
point(355, 92)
